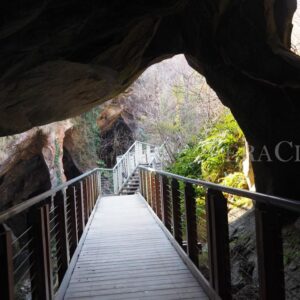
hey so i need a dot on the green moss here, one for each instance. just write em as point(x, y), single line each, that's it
point(219, 152)
point(86, 136)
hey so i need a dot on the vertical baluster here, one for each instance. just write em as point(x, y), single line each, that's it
point(115, 181)
point(145, 175)
point(41, 270)
point(120, 177)
point(269, 252)
point(88, 187)
point(218, 243)
point(73, 218)
point(89, 195)
point(91, 179)
point(176, 215)
point(80, 198)
point(153, 193)
point(157, 196)
point(6, 264)
point(85, 200)
point(62, 234)
point(141, 182)
point(145, 183)
point(149, 185)
point(191, 223)
point(95, 188)
point(165, 196)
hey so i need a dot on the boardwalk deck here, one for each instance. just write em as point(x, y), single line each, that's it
point(126, 255)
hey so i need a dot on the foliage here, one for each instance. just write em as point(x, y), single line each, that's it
point(219, 152)
point(86, 136)
point(217, 157)
point(171, 101)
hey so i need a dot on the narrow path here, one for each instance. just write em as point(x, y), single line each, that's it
point(126, 255)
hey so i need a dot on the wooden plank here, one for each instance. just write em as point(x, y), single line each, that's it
point(126, 255)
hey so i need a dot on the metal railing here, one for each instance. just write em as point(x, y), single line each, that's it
point(241, 252)
point(113, 180)
point(39, 237)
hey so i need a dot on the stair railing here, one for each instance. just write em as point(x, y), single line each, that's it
point(138, 154)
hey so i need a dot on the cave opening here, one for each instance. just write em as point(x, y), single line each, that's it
point(52, 71)
point(70, 169)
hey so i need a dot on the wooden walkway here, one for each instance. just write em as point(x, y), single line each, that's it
point(126, 255)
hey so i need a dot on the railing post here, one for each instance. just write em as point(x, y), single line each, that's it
point(142, 190)
point(92, 191)
point(158, 196)
point(95, 189)
point(80, 198)
point(191, 223)
point(165, 197)
point(176, 215)
point(63, 241)
point(6, 264)
point(73, 218)
point(88, 185)
point(85, 200)
point(41, 257)
point(153, 192)
point(149, 188)
point(99, 183)
point(115, 181)
point(269, 252)
point(218, 243)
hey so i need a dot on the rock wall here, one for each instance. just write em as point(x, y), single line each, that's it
point(32, 164)
point(117, 129)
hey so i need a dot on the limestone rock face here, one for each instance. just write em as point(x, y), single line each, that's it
point(60, 58)
point(32, 164)
point(117, 128)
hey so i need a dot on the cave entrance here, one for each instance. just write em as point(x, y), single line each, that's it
point(70, 169)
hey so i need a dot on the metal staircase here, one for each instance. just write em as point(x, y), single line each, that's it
point(123, 178)
point(132, 185)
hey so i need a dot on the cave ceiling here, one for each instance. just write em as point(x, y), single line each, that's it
point(61, 58)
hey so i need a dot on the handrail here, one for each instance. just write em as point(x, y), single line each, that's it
point(130, 148)
point(36, 199)
point(290, 204)
point(128, 163)
point(16, 209)
point(220, 234)
point(41, 238)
